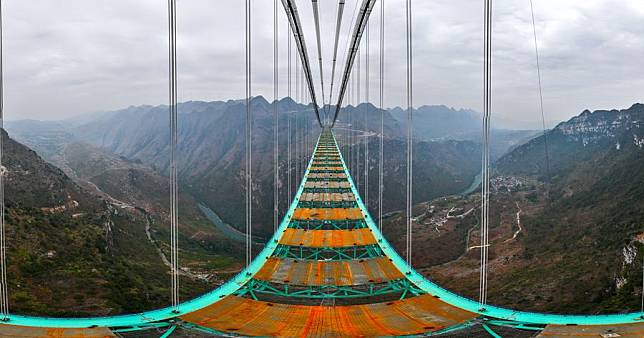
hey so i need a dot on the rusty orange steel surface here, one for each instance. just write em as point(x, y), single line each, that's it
point(328, 163)
point(327, 175)
point(328, 168)
point(327, 185)
point(327, 197)
point(256, 318)
point(327, 238)
point(353, 272)
point(33, 332)
point(332, 214)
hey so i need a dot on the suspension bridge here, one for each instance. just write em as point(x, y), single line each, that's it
point(327, 271)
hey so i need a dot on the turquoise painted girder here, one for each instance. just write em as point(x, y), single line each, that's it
point(137, 319)
point(257, 287)
point(327, 179)
point(326, 163)
point(327, 190)
point(327, 204)
point(328, 253)
point(474, 306)
point(327, 225)
point(246, 275)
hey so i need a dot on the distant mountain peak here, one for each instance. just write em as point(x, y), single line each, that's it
point(599, 124)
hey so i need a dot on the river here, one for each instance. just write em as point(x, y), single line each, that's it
point(227, 229)
point(475, 184)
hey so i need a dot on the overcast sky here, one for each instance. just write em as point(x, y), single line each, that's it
point(69, 57)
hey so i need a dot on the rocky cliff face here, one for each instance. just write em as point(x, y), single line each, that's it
point(580, 242)
point(602, 125)
point(591, 135)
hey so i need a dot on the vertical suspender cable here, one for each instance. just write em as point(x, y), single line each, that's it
point(276, 121)
point(358, 83)
point(338, 26)
point(249, 139)
point(297, 80)
point(288, 121)
point(4, 289)
point(409, 130)
point(350, 129)
point(297, 147)
point(354, 124)
point(288, 158)
point(382, 112)
point(485, 183)
point(642, 301)
point(288, 38)
point(366, 108)
point(172, 39)
point(543, 115)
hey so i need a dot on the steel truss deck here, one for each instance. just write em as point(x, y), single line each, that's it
point(255, 287)
point(328, 253)
point(327, 225)
point(327, 204)
point(327, 190)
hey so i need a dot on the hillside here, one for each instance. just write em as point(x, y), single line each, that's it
point(440, 123)
point(75, 251)
point(571, 241)
point(211, 151)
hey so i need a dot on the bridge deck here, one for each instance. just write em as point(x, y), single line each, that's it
point(327, 175)
point(47, 332)
point(327, 238)
point(327, 185)
point(350, 272)
point(327, 214)
point(256, 318)
point(336, 265)
point(327, 197)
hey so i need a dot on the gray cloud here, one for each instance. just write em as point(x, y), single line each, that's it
point(64, 58)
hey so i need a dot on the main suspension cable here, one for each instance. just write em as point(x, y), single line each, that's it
point(409, 129)
point(296, 26)
point(382, 112)
point(363, 17)
point(543, 115)
point(347, 46)
point(316, 19)
point(249, 139)
point(172, 68)
point(338, 26)
point(276, 121)
point(4, 289)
